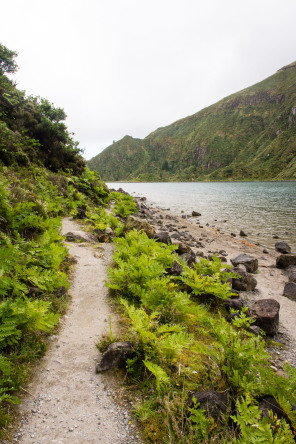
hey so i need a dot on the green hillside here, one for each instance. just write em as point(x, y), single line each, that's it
point(248, 135)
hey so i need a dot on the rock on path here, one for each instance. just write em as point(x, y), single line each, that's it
point(69, 403)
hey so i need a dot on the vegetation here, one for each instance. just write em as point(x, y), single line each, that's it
point(248, 135)
point(184, 344)
point(182, 340)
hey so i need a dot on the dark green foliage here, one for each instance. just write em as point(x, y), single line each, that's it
point(32, 129)
point(7, 62)
point(248, 135)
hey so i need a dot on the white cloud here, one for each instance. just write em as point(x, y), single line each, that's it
point(127, 67)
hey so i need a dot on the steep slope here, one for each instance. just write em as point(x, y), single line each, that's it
point(248, 135)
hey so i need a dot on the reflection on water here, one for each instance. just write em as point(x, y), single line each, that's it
point(261, 209)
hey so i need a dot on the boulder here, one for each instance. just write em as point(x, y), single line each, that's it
point(115, 356)
point(182, 248)
point(162, 236)
point(235, 304)
point(265, 312)
point(290, 291)
point(292, 276)
point(285, 260)
point(176, 269)
point(195, 214)
point(242, 233)
point(214, 403)
point(250, 262)
point(267, 403)
point(190, 258)
point(247, 282)
point(176, 235)
point(80, 236)
point(282, 247)
point(135, 224)
point(101, 235)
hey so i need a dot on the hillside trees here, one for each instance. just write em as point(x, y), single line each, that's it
point(31, 128)
point(7, 62)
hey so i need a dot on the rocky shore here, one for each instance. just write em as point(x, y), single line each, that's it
point(272, 278)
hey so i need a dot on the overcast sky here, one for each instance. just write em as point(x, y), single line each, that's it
point(122, 67)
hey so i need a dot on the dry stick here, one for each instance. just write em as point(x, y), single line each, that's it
point(31, 394)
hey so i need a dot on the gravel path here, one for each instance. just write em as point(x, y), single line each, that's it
point(68, 402)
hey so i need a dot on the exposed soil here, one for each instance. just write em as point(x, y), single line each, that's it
point(67, 401)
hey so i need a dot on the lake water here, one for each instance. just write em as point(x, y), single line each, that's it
point(261, 209)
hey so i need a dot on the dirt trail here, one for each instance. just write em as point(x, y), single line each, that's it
point(69, 403)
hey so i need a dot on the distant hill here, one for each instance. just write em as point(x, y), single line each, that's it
point(248, 135)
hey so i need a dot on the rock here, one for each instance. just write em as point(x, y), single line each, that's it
point(34, 290)
point(290, 291)
point(235, 304)
point(285, 260)
point(115, 356)
point(214, 403)
point(135, 224)
point(176, 269)
point(81, 212)
point(80, 236)
point(162, 236)
point(250, 262)
point(265, 251)
point(267, 403)
point(109, 231)
point(195, 214)
point(266, 315)
point(233, 234)
point(292, 276)
point(254, 329)
point(101, 235)
point(60, 292)
point(176, 235)
point(247, 282)
point(242, 233)
point(190, 258)
point(182, 247)
point(282, 247)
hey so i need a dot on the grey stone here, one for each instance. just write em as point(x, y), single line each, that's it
point(292, 276)
point(247, 282)
point(115, 356)
point(162, 236)
point(282, 247)
point(176, 269)
point(214, 403)
point(250, 262)
point(80, 236)
point(235, 303)
point(290, 291)
point(265, 312)
point(285, 260)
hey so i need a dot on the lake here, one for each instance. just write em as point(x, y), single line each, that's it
point(261, 209)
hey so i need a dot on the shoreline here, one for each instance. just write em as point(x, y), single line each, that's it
point(205, 240)
point(229, 207)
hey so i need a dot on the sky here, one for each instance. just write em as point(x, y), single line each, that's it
point(121, 67)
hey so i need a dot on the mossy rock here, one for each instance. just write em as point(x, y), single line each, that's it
point(140, 225)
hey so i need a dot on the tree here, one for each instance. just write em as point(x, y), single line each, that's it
point(7, 62)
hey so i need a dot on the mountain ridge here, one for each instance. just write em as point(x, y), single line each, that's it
point(249, 135)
